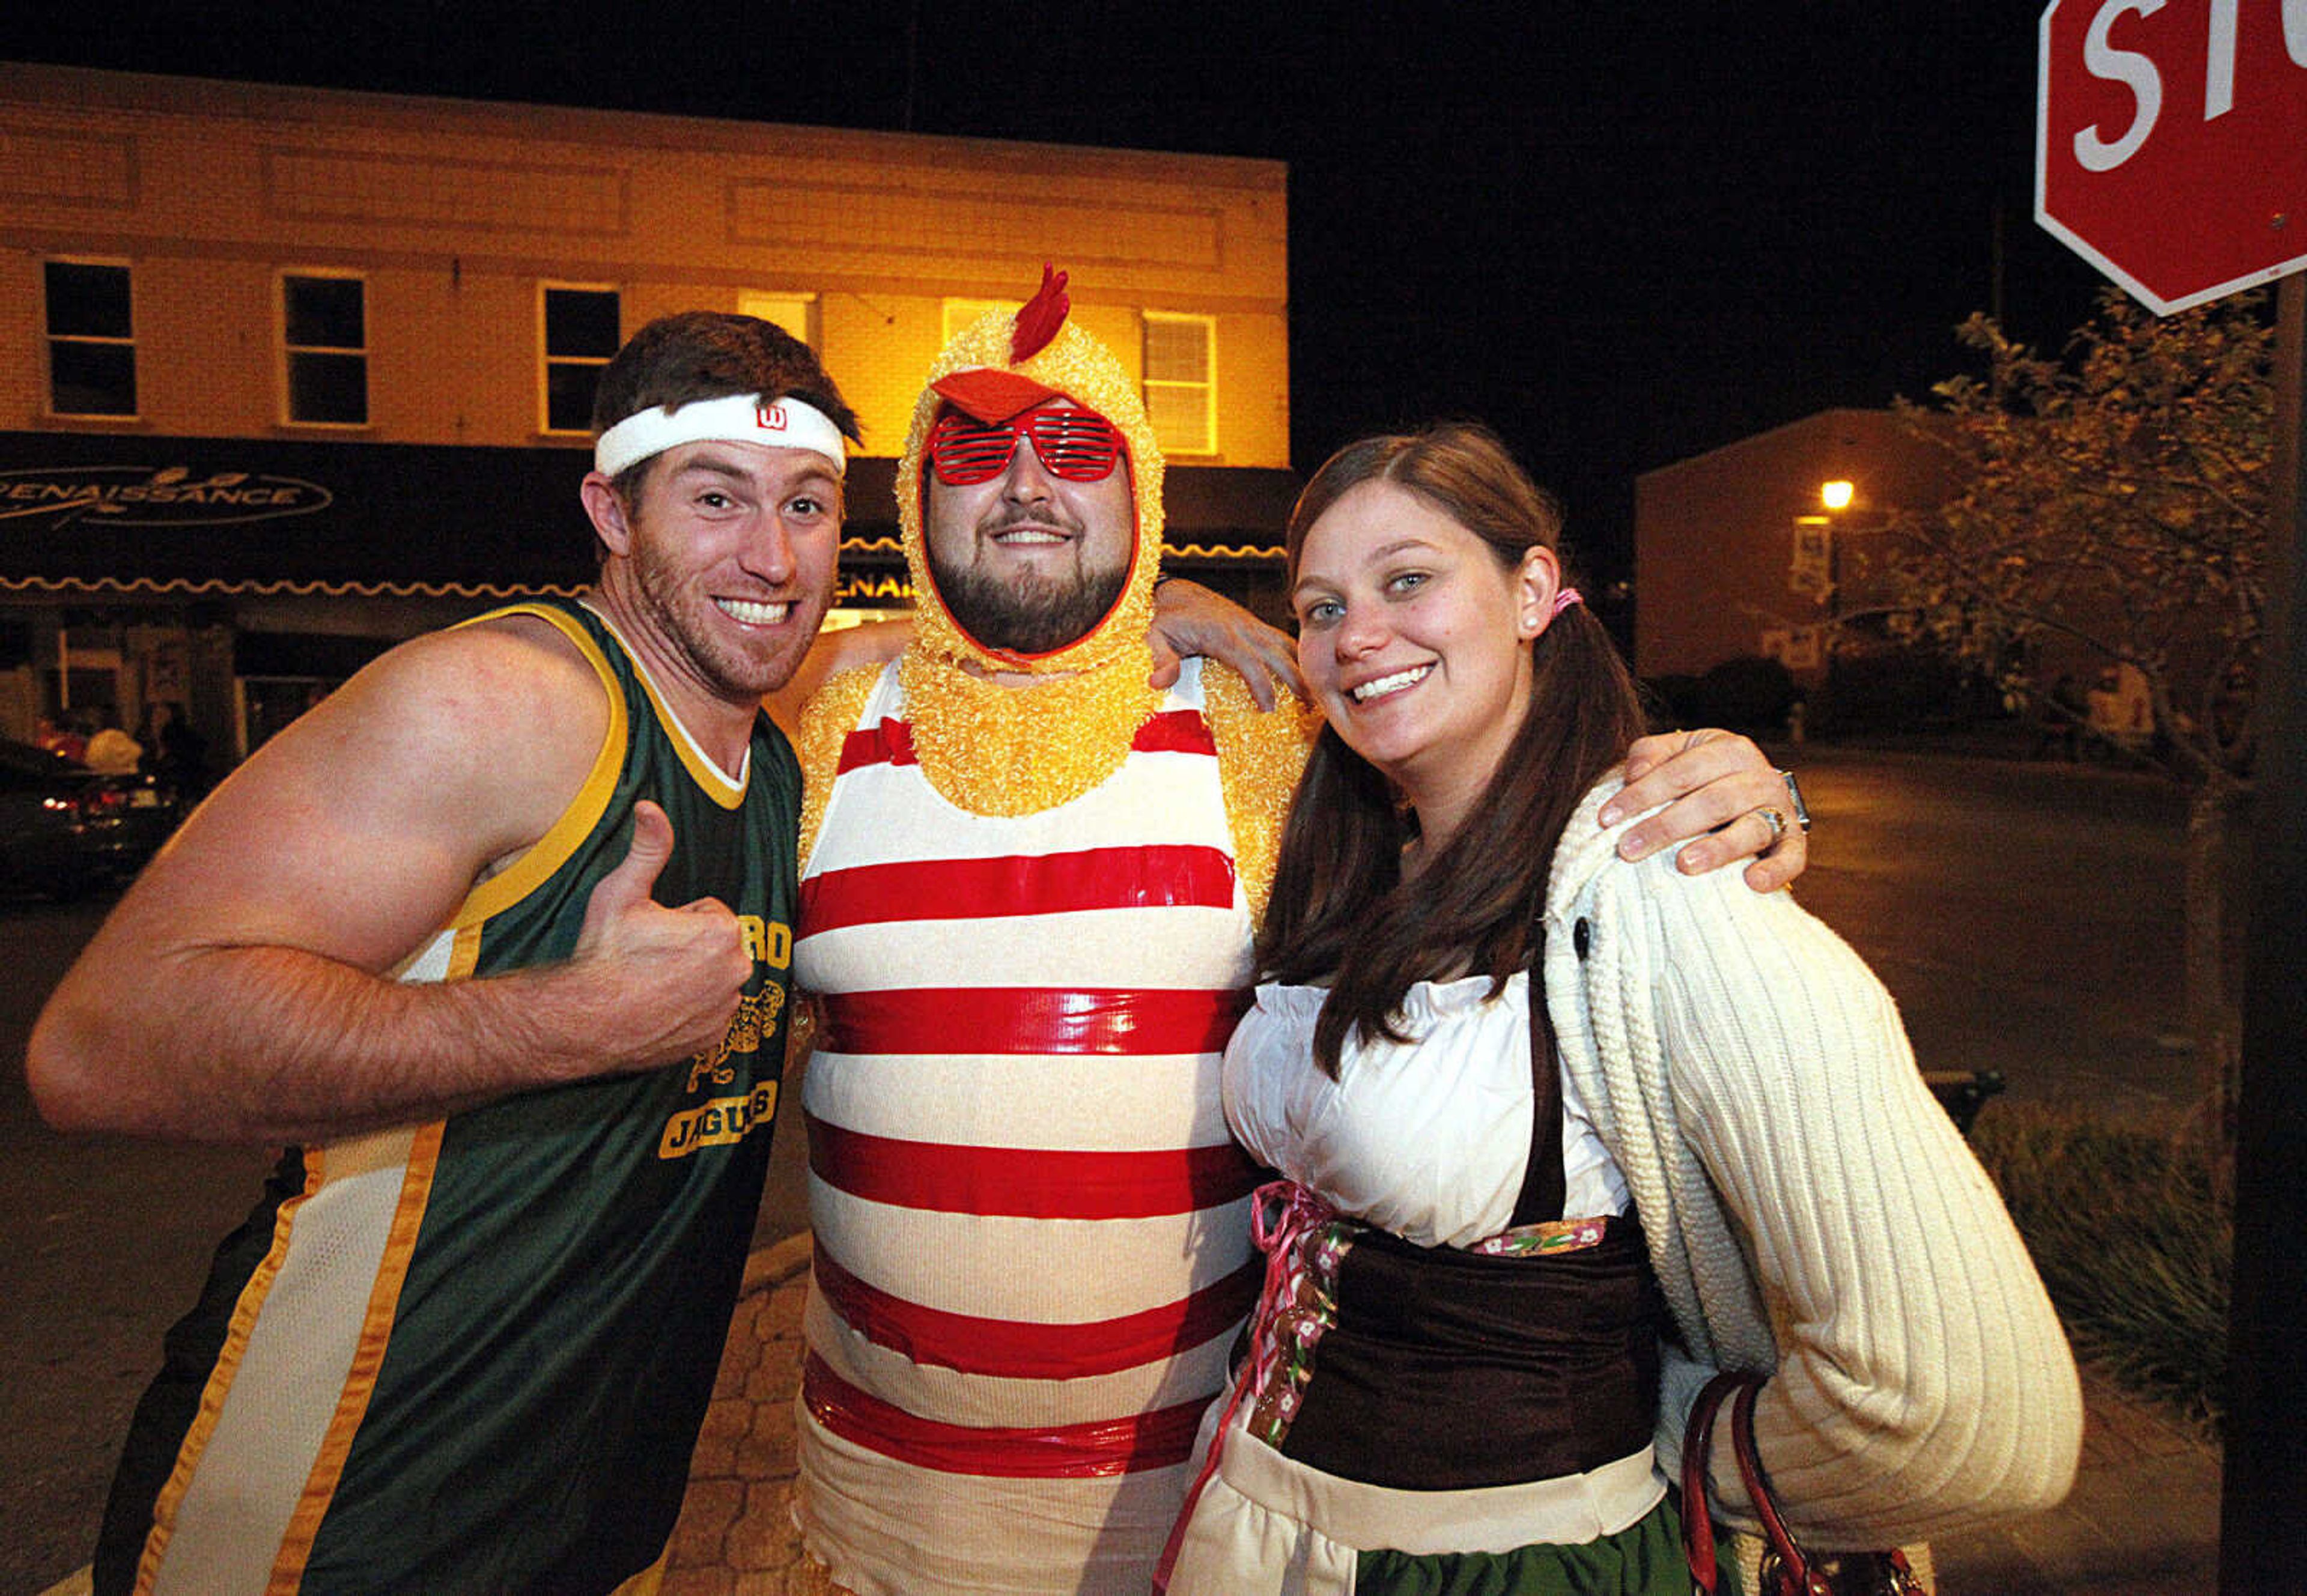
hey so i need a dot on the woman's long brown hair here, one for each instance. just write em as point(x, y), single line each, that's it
point(1341, 910)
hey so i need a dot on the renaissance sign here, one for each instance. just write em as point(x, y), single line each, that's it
point(148, 496)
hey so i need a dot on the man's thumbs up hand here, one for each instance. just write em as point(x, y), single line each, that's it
point(673, 976)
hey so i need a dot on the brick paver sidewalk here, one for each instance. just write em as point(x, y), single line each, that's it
point(736, 1536)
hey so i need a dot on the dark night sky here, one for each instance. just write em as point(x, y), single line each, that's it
point(1621, 232)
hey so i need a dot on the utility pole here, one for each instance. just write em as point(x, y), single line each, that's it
point(2266, 1399)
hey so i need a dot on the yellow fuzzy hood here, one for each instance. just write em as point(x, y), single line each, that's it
point(1084, 371)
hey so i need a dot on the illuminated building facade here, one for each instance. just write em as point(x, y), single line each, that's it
point(288, 374)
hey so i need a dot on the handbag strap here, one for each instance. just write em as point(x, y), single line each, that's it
point(1797, 1575)
point(1697, 1443)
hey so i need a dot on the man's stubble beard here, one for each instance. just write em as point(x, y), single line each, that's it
point(1030, 615)
point(684, 613)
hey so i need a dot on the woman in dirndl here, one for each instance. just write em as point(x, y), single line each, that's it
point(1560, 1136)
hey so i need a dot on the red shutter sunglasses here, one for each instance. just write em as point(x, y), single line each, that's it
point(1078, 445)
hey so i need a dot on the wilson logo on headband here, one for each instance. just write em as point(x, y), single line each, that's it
point(732, 418)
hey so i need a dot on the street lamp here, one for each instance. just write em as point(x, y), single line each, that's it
point(1815, 567)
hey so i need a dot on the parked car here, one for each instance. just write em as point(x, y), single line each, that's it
point(65, 829)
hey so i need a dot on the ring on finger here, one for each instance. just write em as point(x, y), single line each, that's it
point(1776, 821)
point(1794, 797)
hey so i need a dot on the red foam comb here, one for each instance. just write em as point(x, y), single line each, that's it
point(989, 395)
point(1039, 321)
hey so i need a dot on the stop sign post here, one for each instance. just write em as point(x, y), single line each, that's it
point(2171, 142)
point(2170, 153)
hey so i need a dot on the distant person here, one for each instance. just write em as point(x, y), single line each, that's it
point(174, 752)
point(112, 752)
point(1562, 1135)
point(495, 941)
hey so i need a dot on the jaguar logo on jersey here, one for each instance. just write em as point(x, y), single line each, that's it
point(754, 1023)
point(726, 1119)
point(719, 1123)
point(147, 496)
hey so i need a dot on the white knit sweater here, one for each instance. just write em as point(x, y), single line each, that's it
point(1811, 1209)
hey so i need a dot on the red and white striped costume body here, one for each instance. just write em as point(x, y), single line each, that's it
point(1032, 1229)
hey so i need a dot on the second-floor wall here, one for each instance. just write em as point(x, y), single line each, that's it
point(221, 259)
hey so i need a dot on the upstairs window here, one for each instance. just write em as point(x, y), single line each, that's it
point(1180, 394)
point(583, 329)
point(794, 313)
point(324, 334)
point(91, 338)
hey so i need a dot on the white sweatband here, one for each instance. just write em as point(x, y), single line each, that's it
point(735, 418)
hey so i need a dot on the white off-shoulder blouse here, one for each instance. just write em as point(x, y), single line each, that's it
point(1430, 1139)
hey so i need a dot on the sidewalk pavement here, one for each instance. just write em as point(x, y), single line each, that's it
point(2142, 1521)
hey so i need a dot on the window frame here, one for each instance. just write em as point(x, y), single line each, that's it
point(288, 351)
point(748, 298)
point(50, 338)
point(1207, 443)
point(546, 359)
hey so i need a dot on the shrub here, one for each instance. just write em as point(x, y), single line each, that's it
point(2133, 1240)
point(1881, 687)
point(1745, 694)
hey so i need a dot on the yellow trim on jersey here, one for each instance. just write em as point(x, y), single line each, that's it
point(417, 1151)
point(243, 1325)
point(422, 1154)
point(500, 892)
point(465, 955)
point(713, 782)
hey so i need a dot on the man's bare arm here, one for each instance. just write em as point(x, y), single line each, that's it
point(1191, 619)
point(240, 990)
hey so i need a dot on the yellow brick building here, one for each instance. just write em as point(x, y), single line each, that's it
point(288, 374)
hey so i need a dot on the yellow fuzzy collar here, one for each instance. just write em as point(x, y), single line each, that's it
point(993, 749)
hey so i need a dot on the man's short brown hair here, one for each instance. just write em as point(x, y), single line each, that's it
point(704, 355)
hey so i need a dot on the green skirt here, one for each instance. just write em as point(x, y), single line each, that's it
point(1643, 1559)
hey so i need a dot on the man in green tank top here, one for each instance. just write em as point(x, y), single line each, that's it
point(494, 942)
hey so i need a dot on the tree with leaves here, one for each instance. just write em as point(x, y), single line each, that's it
point(2111, 509)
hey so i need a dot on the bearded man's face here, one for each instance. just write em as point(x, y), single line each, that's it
point(1027, 561)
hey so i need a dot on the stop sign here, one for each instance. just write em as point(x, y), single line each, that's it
point(2171, 142)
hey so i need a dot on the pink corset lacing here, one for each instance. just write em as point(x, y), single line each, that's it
point(1282, 1214)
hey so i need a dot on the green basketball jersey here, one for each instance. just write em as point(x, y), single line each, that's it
point(473, 1355)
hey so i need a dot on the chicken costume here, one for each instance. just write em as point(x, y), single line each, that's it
point(1027, 909)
